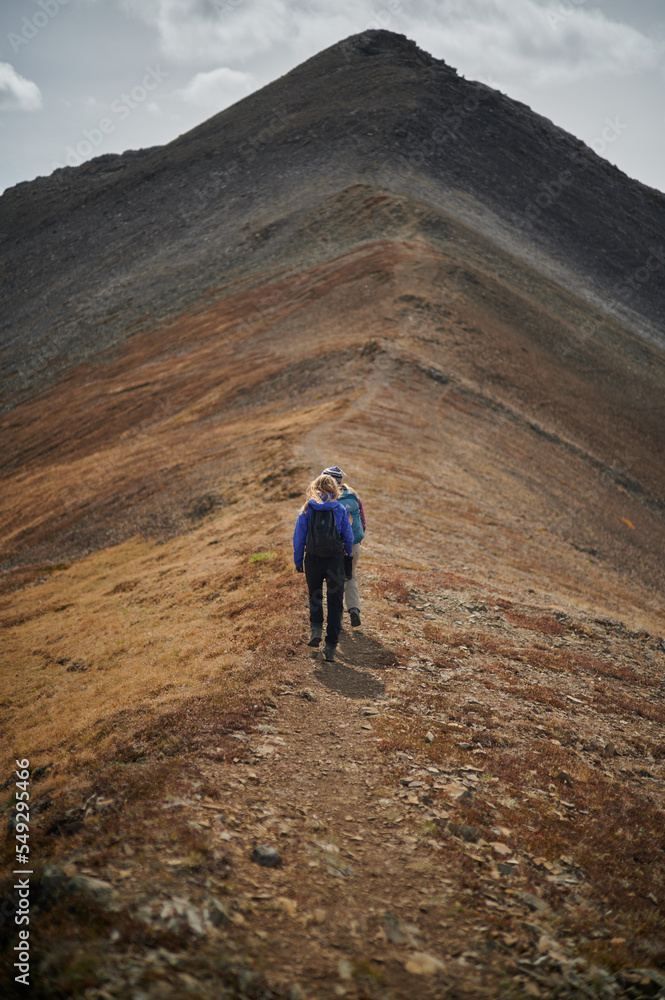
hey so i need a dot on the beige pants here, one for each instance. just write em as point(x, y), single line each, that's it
point(351, 595)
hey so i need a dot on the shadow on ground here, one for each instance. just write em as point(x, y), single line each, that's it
point(345, 680)
point(360, 650)
point(355, 650)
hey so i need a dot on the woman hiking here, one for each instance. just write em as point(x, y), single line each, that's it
point(321, 539)
point(354, 508)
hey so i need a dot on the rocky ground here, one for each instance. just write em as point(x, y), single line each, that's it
point(468, 802)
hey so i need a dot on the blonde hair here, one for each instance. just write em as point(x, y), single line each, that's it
point(321, 488)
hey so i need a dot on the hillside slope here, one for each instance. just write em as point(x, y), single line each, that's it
point(471, 801)
point(92, 253)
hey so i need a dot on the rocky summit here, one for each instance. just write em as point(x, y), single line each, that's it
point(374, 263)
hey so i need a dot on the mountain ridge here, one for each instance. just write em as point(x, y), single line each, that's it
point(141, 216)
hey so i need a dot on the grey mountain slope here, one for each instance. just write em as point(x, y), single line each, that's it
point(91, 254)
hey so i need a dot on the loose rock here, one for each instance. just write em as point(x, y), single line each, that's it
point(267, 856)
point(534, 902)
point(422, 964)
point(468, 833)
point(102, 892)
point(218, 915)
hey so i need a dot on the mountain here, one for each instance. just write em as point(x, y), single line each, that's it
point(376, 263)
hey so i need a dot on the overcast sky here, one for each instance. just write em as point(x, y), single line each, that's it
point(150, 70)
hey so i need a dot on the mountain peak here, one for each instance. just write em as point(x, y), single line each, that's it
point(378, 41)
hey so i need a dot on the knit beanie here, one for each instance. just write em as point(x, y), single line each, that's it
point(335, 472)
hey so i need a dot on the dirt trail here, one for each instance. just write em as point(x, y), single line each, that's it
point(445, 797)
point(361, 898)
point(324, 437)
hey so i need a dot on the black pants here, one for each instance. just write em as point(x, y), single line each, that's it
point(332, 571)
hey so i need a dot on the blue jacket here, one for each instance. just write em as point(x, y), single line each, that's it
point(302, 524)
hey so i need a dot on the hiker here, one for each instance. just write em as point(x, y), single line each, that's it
point(354, 508)
point(321, 539)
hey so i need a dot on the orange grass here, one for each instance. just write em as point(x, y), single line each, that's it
point(147, 630)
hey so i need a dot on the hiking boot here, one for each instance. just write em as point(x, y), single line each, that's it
point(355, 616)
point(329, 652)
point(316, 631)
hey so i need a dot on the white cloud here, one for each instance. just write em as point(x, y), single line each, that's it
point(218, 88)
point(536, 42)
point(17, 93)
point(232, 31)
point(528, 43)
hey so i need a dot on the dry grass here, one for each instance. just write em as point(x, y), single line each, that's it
point(536, 692)
point(535, 623)
point(180, 643)
point(152, 664)
point(556, 802)
point(392, 587)
point(614, 836)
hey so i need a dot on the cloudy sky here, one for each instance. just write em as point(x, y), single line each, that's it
point(84, 77)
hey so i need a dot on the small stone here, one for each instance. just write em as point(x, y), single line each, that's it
point(218, 915)
point(289, 906)
point(307, 694)
point(399, 932)
point(422, 964)
point(468, 833)
point(534, 902)
point(464, 746)
point(500, 848)
point(546, 944)
point(267, 856)
point(344, 969)
point(102, 892)
point(507, 868)
point(195, 922)
point(429, 736)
